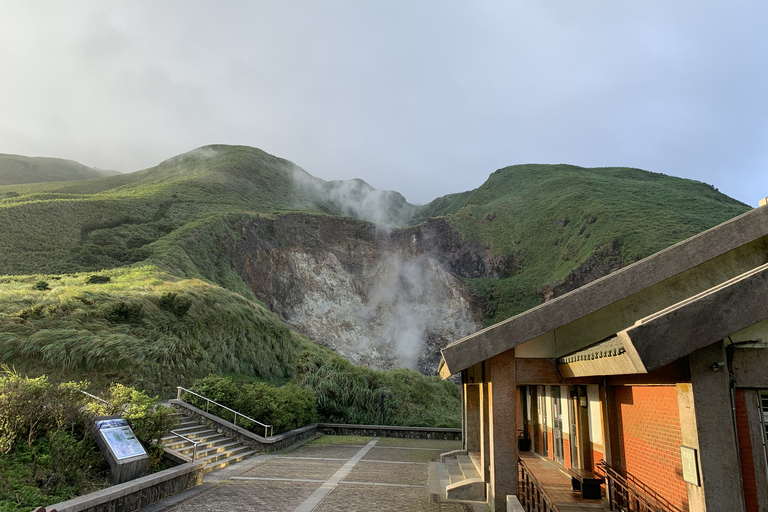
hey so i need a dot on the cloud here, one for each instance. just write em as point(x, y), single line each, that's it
point(426, 98)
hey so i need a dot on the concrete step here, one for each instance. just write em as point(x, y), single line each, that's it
point(220, 444)
point(177, 444)
point(454, 470)
point(230, 460)
point(461, 482)
point(214, 448)
point(467, 467)
point(433, 478)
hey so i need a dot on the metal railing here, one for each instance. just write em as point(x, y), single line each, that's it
point(628, 494)
point(94, 397)
point(194, 443)
point(208, 401)
point(531, 494)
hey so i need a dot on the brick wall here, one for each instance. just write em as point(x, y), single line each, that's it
point(649, 436)
point(745, 452)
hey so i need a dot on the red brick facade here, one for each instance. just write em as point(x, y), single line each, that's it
point(649, 436)
point(745, 452)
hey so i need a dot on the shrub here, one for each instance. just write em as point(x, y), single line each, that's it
point(285, 408)
point(41, 285)
point(171, 301)
point(22, 402)
point(97, 279)
point(126, 312)
point(46, 453)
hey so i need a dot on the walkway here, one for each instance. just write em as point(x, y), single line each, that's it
point(557, 485)
point(330, 474)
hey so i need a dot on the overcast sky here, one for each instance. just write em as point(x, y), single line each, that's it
point(426, 97)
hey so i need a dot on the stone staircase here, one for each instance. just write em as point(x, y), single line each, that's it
point(215, 449)
point(456, 477)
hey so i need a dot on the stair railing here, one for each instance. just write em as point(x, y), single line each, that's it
point(194, 444)
point(93, 396)
point(626, 493)
point(267, 428)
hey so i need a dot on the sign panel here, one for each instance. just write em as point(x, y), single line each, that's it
point(120, 438)
point(690, 465)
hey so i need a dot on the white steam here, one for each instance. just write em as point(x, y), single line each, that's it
point(401, 311)
point(354, 198)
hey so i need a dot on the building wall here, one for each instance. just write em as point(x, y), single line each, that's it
point(650, 439)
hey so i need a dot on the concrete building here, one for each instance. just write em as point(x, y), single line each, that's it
point(659, 369)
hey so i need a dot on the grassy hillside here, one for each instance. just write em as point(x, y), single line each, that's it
point(548, 220)
point(17, 169)
point(173, 310)
point(110, 222)
point(141, 326)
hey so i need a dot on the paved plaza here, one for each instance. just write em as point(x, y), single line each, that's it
point(329, 474)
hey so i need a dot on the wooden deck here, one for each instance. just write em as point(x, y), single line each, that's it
point(556, 483)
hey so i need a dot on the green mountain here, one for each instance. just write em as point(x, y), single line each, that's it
point(141, 277)
point(556, 227)
point(17, 169)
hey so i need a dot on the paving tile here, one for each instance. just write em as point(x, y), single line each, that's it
point(364, 498)
point(263, 496)
point(296, 468)
point(325, 451)
point(393, 454)
point(404, 474)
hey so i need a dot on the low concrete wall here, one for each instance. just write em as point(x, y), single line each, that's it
point(389, 431)
point(246, 437)
point(286, 439)
point(138, 493)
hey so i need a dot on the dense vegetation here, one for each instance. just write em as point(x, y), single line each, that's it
point(47, 454)
point(548, 220)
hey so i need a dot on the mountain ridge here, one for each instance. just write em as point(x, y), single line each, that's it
point(218, 214)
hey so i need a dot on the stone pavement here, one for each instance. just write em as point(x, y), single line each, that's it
point(329, 474)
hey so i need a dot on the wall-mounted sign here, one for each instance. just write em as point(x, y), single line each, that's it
point(690, 465)
point(120, 438)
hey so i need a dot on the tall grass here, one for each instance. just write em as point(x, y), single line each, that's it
point(125, 330)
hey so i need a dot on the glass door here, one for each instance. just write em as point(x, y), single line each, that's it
point(557, 424)
point(544, 428)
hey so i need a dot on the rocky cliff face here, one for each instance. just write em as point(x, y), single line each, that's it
point(379, 297)
point(382, 298)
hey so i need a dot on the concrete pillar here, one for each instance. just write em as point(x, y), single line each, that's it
point(690, 438)
point(503, 435)
point(718, 453)
point(473, 424)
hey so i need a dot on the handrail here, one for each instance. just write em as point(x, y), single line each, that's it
point(194, 443)
point(208, 400)
point(629, 494)
point(94, 397)
point(533, 496)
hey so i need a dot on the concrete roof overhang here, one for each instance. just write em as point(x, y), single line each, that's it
point(678, 330)
point(600, 295)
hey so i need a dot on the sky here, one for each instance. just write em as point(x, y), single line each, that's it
point(425, 97)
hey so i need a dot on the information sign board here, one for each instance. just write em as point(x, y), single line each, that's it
point(120, 438)
point(690, 465)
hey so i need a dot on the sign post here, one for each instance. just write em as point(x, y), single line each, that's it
point(116, 440)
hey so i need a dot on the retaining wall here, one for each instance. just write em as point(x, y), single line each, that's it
point(137, 493)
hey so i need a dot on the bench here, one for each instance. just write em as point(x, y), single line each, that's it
point(587, 482)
